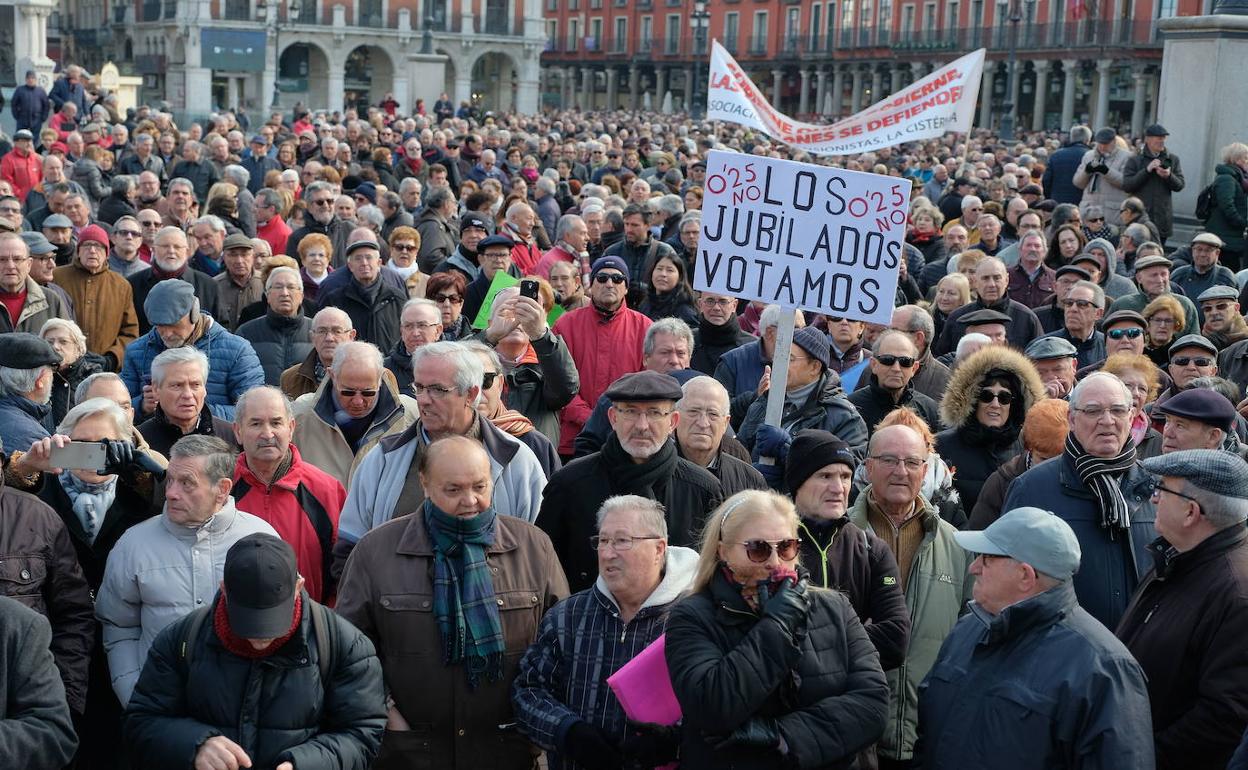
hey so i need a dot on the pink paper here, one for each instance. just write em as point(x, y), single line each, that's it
point(644, 687)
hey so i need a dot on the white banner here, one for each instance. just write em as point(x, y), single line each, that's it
point(942, 101)
point(800, 235)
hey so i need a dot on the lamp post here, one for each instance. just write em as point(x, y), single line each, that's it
point(699, 19)
point(1015, 10)
point(426, 39)
point(269, 13)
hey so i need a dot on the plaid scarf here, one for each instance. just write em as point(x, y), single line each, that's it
point(463, 592)
point(1102, 475)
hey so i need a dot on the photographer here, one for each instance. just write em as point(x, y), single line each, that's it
point(1153, 176)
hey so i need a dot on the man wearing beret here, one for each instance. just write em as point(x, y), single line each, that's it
point(1224, 324)
point(1188, 619)
point(1082, 308)
point(1152, 277)
point(639, 458)
point(103, 300)
point(1191, 357)
point(1028, 679)
point(1197, 418)
point(27, 364)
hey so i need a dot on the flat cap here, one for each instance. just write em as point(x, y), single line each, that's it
point(169, 301)
point(1152, 260)
point(1032, 536)
point(1209, 239)
point(1156, 130)
point(57, 220)
point(1200, 404)
point(1218, 292)
point(21, 350)
point(1086, 257)
point(237, 241)
point(1048, 348)
point(355, 246)
point(23, 134)
point(38, 244)
point(1193, 341)
point(1124, 316)
point(1213, 470)
point(258, 139)
point(986, 316)
point(815, 343)
point(645, 386)
point(494, 240)
point(1069, 269)
point(1105, 136)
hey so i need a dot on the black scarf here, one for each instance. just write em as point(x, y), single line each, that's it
point(645, 479)
point(1102, 475)
point(976, 433)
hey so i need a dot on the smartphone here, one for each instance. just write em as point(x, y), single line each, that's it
point(79, 455)
point(528, 288)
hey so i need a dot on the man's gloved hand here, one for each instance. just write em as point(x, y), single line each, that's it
point(649, 745)
point(757, 733)
point(788, 605)
point(1090, 167)
point(590, 747)
point(771, 441)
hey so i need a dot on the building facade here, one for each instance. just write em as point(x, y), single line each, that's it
point(1095, 61)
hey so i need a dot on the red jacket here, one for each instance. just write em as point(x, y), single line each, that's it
point(303, 507)
point(276, 232)
point(24, 173)
point(604, 350)
point(524, 254)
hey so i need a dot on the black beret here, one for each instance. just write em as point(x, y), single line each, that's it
point(645, 386)
point(986, 316)
point(21, 350)
point(1202, 405)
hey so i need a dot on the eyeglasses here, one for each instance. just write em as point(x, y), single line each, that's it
point(352, 392)
point(419, 325)
point(632, 415)
point(150, 224)
point(760, 551)
point(1219, 307)
point(1194, 360)
point(403, 247)
point(12, 260)
point(698, 415)
point(129, 233)
point(291, 287)
point(1161, 321)
point(330, 331)
point(1095, 219)
point(434, 391)
point(454, 299)
point(718, 301)
point(1082, 304)
point(1117, 411)
point(1004, 397)
point(620, 543)
point(487, 379)
point(887, 361)
point(892, 461)
point(322, 202)
point(1159, 486)
point(1133, 333)
point(614, 278)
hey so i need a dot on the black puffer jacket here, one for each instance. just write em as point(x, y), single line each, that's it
point(827, 693)
point(538, 390)
point(826, 409)
point(874, 404)
point(375, 318)
point(280, 342)
point(710, 342)
point(66, 381)
point(276, 708)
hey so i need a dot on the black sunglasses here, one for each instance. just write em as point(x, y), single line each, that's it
point(905, 361)
point(1004, 398)
point(613, 278)
point(1197, 360)
point(760, 551)
point(487, 380)
point(352, 393)
point(1132, 333)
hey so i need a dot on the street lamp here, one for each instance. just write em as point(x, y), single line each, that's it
point(426, 40)
point(1015, 10)
point(269, 12)
point(699, 19)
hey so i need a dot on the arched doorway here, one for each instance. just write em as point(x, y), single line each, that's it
point(367, 77)
point(303, 73)
point(493, 81)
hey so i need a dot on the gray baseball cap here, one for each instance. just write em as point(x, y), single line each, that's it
point(1032, 536)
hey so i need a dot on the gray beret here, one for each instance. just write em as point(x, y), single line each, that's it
point(22, 350)
point(38, 243)
point(1218, 292)
point(645, 386)
point(1152, 260)
point(1047, 348)
point(169, 301)
point(1212, 470)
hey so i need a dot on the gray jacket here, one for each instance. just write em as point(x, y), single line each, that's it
point(1104, 190)
point(35, 728)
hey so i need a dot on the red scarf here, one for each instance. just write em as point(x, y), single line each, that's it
point(240, 646)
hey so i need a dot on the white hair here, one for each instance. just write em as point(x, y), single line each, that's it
point(176, 357)
point(974, 339)
point(90, 408)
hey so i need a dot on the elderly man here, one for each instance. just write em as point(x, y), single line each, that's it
point(638, 458)
point(282, 337)
point(237, 285)
point(494, 255)
point(841, 556)
point(1191, 356)
point(473, 566)
point(1153, 175)
point(1099, 488)
point(374, 304)
point(931, 569)
point(178, 322)
point(560, 695)
point(352, 409)
point(1082, 308)
point(1055, 362)
point(27, 367)
point(1099, 174)
point(178, 392)
point(24, 304)
point(330, 328)
point(701, 437)
point(170, 259)
point(1204, 272)
point(263, 629)
point(209, 234)
point(320, 219)
point(102, 299)
point(270, 225)
point(1189, 616)
point(970, 207)
point(171, 564)
point(990, 283)
point(718, 331)
point(1152, 275)
point(1124, 332)
point(473, 228)
point(1197, 418)
point(518, 227)
point(274, 482)
point(201, 172)
point(893, 364)
point(419, 325)
point(125, 258)
point(1031, 281)
point(1026, 632)
point(571, 244)
point(179, 207)
point(1224, 323)
point(917, 324)
point(438, 235)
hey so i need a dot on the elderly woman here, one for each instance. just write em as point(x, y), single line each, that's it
point(1143, 379)
point(404, 246)
point(1165, 318)
point(952, 292)
point(984, 406)
point(447, 291)
point(1230, 204)
point(77, 363)
point(769, 672)
point(315, 254)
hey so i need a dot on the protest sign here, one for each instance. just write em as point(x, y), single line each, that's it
point(502, 280)
point(940, 102)
point(803, 236)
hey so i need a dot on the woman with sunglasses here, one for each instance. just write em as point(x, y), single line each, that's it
point(769, 672)
point(983, 410)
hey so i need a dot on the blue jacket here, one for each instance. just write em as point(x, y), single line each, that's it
point(22, 422)
point(30, 106)
point(233, 367)
point(63, 92)
point(1040, 685)
point(1112, 565)
point(739, 371)
point(1059, 176)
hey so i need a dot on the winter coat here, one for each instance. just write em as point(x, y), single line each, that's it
point(581, 642)
point(232, 298)
point(142, 282)
point(1152, 190)
point(375, 319)
point(539, 390)
point(104, 307)
point(114, 207)
point(1113, 563)
point(639, 257)
point(1023, 328)
point(30, 106)
point(826, 692)
point(740, 370)
point(1186, 625)
point(36, 731)
point(1139, 300)
point(1028, 290)
point(1103, 189)
point(280, 342)
point(233, 368)
point(386, 593)
point(22, 422)
point(936, 592)
point(161, 435)
point(438, 240)
point(1039, 686)
point(22, 172)
point(40, 569)
point(87, 174)
point(277, 708)
point(158, 572)
point(710, 343)
point(1113, 281)
point(735, 474)
point(1058, 179)
point(1230, 207)
point(40, 306)
point(826, 409)
point(202, 175)
point(874, 404)
point(66, 381)
point(63, 91)
point(992, 495)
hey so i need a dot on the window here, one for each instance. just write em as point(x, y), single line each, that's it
point(792, 29)
point(552, 5)
point(1167, 9)
point(732, 29)
point(866, 23)
point(672, 43)
point(886, 21)
point(758, 41)
point(574, 34)
point(594, 41)
point(951, 15)
point(645, 41)
point(976, 22)
point(816, 22)
point(620, 43)
point(929, 21)
point(552, 35)
point(907, 22)
point(847, 22)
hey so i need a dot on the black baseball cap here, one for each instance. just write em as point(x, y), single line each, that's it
point(260, 578)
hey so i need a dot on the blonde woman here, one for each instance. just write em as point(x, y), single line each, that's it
point(769, 672)
point(952, 292)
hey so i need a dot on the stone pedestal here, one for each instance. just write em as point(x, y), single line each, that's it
point(1211, 51)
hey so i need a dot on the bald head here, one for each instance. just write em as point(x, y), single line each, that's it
point(455, 474)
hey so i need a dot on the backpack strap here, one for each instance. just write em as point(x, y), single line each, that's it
point(198, 618)
point(239, 490)
point(324, 640)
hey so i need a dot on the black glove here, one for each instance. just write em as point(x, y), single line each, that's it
point(649, 745)
point(758, 733)
point(1090, 167)
point(590, 747)
point(1102, 169)
point(788, 605)
point(123, 458)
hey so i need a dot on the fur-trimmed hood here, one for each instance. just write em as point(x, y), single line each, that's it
point(958, 403)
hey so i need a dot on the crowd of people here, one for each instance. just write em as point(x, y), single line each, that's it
point(373, 440)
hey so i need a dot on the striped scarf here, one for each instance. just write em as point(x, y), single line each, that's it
point(463, 592)
point(1102, 476)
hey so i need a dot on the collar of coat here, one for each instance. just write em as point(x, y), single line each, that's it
point(1039, 611)
point(1169, 561)
point(218, 523)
